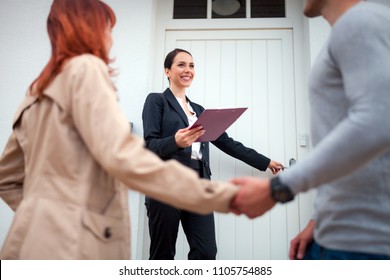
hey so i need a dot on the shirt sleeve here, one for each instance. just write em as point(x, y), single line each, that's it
point(359, 50)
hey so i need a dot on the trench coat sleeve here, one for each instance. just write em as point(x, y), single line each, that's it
point(105, 131)
point(12, 173)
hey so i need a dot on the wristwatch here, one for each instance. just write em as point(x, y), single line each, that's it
point(280, 192)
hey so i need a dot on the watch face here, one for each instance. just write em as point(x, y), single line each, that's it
point(285, 195)
point(280, 191)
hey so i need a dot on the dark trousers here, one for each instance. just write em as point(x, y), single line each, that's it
point(164, 223)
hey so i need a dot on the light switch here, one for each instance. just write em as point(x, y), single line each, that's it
point(303, 140)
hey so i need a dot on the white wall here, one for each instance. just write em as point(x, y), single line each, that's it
point(25, 49)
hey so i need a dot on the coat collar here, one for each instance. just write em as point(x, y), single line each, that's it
point(26, 103)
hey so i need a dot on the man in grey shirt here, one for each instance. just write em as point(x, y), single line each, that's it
point(350, 127)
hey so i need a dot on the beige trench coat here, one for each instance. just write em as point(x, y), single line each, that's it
point(66, 165)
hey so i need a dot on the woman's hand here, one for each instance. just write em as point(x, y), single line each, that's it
point(275, 166)
point(185, 137)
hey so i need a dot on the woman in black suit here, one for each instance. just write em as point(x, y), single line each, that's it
point(166, 121)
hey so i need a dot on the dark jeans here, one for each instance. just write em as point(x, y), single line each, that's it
point(317, 252)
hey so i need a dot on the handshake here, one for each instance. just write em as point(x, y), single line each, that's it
point(256, 196)
point(253, 197)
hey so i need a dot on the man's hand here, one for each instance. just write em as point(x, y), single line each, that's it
point(299, 243)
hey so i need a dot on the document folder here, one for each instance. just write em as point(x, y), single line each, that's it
point(216, 121)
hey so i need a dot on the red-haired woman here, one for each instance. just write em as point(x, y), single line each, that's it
point(71, 146)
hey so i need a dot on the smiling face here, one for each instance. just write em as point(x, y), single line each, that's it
point(182, 71)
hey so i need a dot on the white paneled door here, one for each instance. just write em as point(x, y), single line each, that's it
point(255, 69)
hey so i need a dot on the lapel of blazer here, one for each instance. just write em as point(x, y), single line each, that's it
point(175, 105)
point(196, 108)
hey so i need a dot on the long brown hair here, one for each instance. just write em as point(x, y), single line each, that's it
point(75, 27)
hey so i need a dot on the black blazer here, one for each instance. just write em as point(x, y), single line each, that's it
point(162, 117)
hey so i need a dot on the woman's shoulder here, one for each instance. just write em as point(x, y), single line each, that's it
point(154, 99)
point(157, 95)
point(85, 60)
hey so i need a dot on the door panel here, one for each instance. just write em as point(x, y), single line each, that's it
point(254, 69)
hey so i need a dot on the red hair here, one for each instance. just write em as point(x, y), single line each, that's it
point(75, 27)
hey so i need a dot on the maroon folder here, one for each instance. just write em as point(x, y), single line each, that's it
point(216, 121)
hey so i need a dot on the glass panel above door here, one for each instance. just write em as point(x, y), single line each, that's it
point(188, 9)
point(268, 8)
point(197, 9)
point(228, 9)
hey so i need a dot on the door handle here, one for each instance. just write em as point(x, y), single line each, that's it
point(291, 162)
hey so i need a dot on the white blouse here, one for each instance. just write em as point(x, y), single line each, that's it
point(196, 152)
